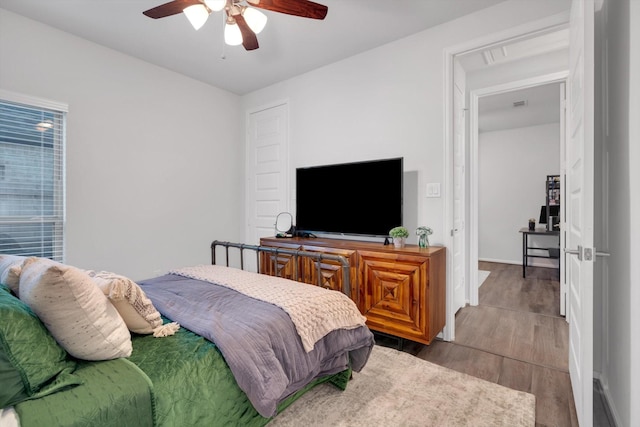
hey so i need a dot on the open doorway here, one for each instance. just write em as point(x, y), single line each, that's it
point(531, 55)
point(517, 141)
point(522, 62)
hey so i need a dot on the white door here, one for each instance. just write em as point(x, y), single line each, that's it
point(459, 244)
point(267, 166)
point(580, 207)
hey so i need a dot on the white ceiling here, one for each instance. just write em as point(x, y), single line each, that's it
point(541, 106)
point(289, 45)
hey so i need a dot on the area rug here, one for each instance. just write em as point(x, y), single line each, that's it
point(398, 389)
point(482, 276)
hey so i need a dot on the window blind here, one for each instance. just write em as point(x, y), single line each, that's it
point(32, 199)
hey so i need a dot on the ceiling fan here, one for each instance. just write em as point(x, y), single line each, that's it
point(243, 20)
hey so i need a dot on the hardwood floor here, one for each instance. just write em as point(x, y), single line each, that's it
point(515, 337)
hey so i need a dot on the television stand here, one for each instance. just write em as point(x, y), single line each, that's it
point(401, 291)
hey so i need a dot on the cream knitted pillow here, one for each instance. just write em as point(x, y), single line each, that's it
point(75, 311)
point(130, 300)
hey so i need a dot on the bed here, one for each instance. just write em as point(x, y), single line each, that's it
point(236, 358)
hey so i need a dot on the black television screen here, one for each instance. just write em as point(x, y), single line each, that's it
point(363, 198)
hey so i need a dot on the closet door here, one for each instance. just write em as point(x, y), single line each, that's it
point(267, 170)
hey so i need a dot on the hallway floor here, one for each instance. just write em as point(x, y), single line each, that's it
point(515, 337)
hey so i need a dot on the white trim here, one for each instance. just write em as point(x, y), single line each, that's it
point(610, 401)
point(20, 98)
point(529, 29)
point(557, 77)
point(501, 261)
point(448, 333)
point(532, 263)
point(473, 286)
point(548, 24)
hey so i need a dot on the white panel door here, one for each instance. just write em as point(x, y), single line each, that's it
point(459, 244)
point(267, 167)
point(580, 207)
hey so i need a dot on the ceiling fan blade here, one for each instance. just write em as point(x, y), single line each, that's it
point(172, 8)
point(249, 39)
point(303, 8)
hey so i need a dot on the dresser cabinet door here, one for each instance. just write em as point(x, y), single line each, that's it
point(330, 272)
point(394, 293)
point(279, 264)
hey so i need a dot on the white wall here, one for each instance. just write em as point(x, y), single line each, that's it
point(153, 158)
point(388, 102)
point(620, 369)
point(512, 169)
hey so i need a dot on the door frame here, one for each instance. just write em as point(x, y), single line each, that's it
point(550, 23)
point(474, 135)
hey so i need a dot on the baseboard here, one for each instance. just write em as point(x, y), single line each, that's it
point(501, 261)
point(601, 386)
point(533, 262)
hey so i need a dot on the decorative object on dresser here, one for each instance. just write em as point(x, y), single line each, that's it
point(401, 291)
point(284, 225)
point(399, 235)
point(423, 236)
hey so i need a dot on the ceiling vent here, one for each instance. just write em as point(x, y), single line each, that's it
point(520, 103)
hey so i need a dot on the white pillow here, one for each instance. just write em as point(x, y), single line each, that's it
point(75, 311)
point(10, 266)
point(129, 299)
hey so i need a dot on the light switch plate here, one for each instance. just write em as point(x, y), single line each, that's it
point(433, 189)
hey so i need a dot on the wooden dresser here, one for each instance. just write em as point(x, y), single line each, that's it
point(400, 291)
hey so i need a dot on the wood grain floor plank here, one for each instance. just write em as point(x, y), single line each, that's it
point(470, 361)
point(515, 338)
point(554, 401)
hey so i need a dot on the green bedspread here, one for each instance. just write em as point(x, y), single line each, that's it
point(114, 393)
point(181, 380)
point(193, 385)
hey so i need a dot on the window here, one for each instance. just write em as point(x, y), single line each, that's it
point(32, 204)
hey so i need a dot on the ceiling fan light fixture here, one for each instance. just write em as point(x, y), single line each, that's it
point(232, 34)
point(256, 20)
point(197, 15)
point(215, 5)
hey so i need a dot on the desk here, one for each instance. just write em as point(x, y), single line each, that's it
point(553, 253)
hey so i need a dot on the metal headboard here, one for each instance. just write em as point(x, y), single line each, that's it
point(296, 254)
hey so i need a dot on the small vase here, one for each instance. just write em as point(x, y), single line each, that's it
point(423, 241)
point(532, 225)
point(398, 242)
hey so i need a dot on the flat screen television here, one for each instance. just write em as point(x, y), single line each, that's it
point(362, 198)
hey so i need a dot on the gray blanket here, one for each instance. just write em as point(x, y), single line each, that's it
point(257, 339)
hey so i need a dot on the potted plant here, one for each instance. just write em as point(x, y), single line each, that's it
point(423, 236)
point(399, 235)
point(532, 224)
